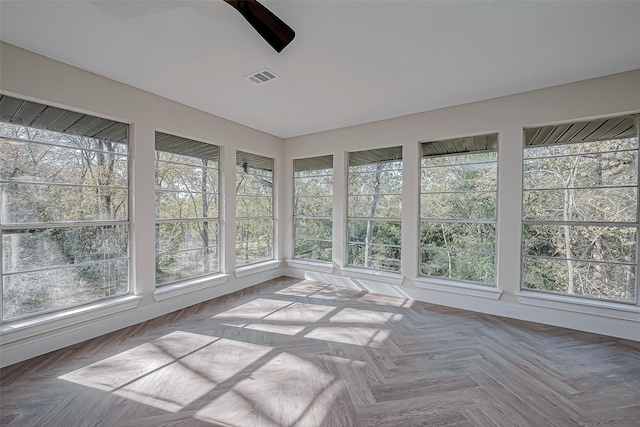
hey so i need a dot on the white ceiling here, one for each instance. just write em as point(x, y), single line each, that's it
point(351, 61)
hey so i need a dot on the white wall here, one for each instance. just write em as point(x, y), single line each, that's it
point(33, 77)
point(607, 96)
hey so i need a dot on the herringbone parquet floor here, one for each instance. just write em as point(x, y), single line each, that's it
point(298, 353)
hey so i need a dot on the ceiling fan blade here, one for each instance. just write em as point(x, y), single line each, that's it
point(269, 26)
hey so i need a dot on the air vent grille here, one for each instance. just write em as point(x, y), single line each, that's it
point(261, 76)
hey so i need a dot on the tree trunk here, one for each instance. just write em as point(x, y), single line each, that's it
point(372, 212)
point(446, 244)
point(567, 216)
point(205, 214)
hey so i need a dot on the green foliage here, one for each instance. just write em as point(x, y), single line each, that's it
point(312, 235)
point(569, 187)
point(53, 177)
point(459, 187)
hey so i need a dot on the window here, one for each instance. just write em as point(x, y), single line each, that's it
point(375, 208)
point(458, 209)
point(254, 208)
point(64, 216)
point(580, 209)
point(313, 208)
point(186, 209)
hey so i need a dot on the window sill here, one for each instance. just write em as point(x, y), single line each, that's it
point(250, 269)
point(452, 286)
point(579, 305)
point(319, 266)
point(181, 288)
point(380, 276)
point(43, 324)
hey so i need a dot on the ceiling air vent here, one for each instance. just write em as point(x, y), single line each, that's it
point(261, 76)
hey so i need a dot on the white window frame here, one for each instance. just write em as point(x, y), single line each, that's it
point(532, 295)
point(329, 195)
point(240, 161)
point(215, 218)
point(11, 227)
point(375, 219)
point(451, 144)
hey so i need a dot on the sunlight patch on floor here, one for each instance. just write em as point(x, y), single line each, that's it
point(170, 372)
point(285, 391)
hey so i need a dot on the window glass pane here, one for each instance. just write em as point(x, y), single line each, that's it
point(466, 266)
point(378, 182)
point(459, 159)
point(377, 167)
point(313, 172)
point(175, 236)
point(581, 242)
point(382, 232)
point(30, 203)
point(24, 133)
point(591, 279)
point(313, 189)
point(458, 205)
point(582, 180)
point(254, 240)
point(35, 292)
point(460, 178)
point(186, 188)
point(381, 206)
point(78, 174)
point(312, 249)
point(592, 170)
point(313, 229)
point(256, 183)
point(458, 236)
point(313, 206)
point(314, 186)
point(51, 247)
point(374, 256)
point(374, 187)
point(580, 148)
point(176, 266)
point(459, 189)
point(252, 206)
point(171, 205)
point(27, 161)
point(197, 179)
point(187, 160)
point(602, 204)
